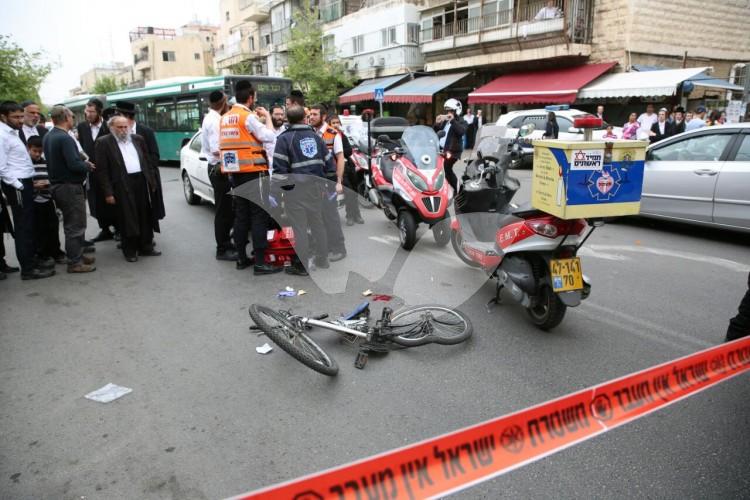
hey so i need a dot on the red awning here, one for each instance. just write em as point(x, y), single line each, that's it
point(553, 86)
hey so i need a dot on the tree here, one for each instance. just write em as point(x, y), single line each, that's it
point(21, 72)
point(107, 84)
point(308, 66)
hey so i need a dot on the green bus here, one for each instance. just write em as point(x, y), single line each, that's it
point(174, 108)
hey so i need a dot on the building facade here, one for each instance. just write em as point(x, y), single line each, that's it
point(160, 53)
point(238, 47)
point(119, 71)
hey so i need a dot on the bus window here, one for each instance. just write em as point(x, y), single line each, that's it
point(188, 115)
point(164, 115)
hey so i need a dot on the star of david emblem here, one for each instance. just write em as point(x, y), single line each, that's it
point(580, 156)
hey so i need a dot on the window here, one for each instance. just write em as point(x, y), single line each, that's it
point(412, 33)
point(265, 41)
point(197, 56)
point(227, 15)
point(251, 41)
point(196, 144)
point(707, 147)
point(329, 46)
point(388, 36)
point(427, 30)
point(563, 123)
point(359, 44)
point(162, 115)
point(187, 115)
point(539, 122)
point(743, 154)
point(167, 56)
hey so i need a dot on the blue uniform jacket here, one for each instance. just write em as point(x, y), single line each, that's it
point(299, 150)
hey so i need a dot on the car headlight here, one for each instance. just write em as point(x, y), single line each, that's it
point(440, 180)
point(416, 180)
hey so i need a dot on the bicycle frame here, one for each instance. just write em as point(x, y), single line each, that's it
point(334, 327)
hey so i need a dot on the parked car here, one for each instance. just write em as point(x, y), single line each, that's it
point(194, 172)
point(514, 120)
point(700, 177)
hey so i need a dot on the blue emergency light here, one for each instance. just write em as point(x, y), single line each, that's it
point(557, 107)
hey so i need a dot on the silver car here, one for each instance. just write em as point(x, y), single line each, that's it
point(700, 177)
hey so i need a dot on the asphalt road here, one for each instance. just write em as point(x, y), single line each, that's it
point(209, 417)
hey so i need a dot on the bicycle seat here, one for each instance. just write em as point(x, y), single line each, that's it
point(362, 309)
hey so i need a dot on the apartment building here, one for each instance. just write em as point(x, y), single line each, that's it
point(238, 41)
point(160, 53)
point(117, 70)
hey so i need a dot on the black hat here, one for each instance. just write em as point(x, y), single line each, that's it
point(109, 113)
point(125, 107)
point(216, 96)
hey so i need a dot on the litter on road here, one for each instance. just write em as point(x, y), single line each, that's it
point(264, 349)
point(108, 393)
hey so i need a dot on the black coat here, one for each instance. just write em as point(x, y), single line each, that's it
point(152, 151)
point(97, 206)
point(112, 176)
point(39, 128)
point(85, 139)
point(678, 128)
point(454, 141)
point(668, 131)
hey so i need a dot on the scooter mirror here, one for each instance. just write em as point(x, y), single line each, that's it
point(526, 130)
point(479, 154)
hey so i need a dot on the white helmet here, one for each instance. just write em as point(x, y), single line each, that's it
point(453, 104)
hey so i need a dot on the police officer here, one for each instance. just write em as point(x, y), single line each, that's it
point(303, 155)
point(332, 139)
point(241, 142)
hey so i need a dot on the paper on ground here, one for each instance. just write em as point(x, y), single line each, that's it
point(264, 349)
point(108, 393)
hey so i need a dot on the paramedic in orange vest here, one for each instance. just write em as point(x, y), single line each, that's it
point(332, 138)
point(241, 142)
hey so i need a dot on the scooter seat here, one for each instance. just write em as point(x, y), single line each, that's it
point(386, 166)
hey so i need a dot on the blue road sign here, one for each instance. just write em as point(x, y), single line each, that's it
point(380, 94)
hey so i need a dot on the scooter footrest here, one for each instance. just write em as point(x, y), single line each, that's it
point(361, 359)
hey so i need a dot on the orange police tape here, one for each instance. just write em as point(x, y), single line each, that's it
point(457, 460)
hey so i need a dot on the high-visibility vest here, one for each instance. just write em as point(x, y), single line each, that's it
point(328, 136)
point(241, 151)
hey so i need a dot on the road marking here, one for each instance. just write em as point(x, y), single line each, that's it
point(725, 263)
point(587, 251)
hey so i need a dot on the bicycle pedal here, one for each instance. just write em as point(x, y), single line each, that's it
point(361, 360)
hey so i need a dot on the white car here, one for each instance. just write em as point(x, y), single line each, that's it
point(194, 172)
point(514, 120)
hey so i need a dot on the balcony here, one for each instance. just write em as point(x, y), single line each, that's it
point(255, 11)
point(280, 38)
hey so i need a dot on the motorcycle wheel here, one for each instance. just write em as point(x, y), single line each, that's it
point(442, 232)
point(548, 311)
point(407, 229)
point(363, 198)
point(457, 241)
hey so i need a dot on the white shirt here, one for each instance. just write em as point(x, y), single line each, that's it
point(547, 13)
point(469, 119)
point(646, 121)
point(662, 127)
point(29, 131)
point(338, 144)
point(446, 128)
point(15, 162)
point(95, 130)
point(279, 130)
point(210, 137)
point(130, 155)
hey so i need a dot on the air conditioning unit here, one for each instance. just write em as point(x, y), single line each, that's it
point(376, 62)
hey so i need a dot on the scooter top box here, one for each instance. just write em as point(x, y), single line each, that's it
point(587, 179)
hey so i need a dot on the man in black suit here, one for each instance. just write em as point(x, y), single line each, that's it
point(127, 179)
point(678, 125)
point(661, 129)
point(452, 142)
point(31, 115)
point(91, 129)
point(127, 109)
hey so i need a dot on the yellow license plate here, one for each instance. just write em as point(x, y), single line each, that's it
point(566, 274)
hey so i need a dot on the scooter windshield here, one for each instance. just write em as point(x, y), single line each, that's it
point(421, 146)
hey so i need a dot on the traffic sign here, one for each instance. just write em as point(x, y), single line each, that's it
point(380, 94)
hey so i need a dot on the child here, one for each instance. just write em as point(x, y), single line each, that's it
point(46, 223)
point(609, 134)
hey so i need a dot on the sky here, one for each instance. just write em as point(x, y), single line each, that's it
point(75, 35)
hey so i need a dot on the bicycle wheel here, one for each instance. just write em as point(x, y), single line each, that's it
point(421, 325)
point(292, 339)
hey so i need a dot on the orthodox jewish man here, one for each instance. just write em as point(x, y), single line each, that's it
point(128, 182)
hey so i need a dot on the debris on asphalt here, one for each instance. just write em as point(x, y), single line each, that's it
point(286, 293)
point(382, 298)
point(367, 293)
point(301, 292)
point(108, 393)
point(264, 349)
point(289, 289)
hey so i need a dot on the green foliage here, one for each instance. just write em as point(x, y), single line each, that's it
point(107, 84)
point(21, 72)
point(320, 79)
point(241, 68)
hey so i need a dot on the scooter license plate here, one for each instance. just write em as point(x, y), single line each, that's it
point(566, 274)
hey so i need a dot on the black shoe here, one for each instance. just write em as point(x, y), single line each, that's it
point(88, 243)
point(3, 276)
point(5, 268)
point(116, 236)
point(61, 259)
point(149, 253)
point(336, 256)
point(349, 222)
point(230, 255)
point(104, 235)
point(359, 220)
point(48, 263)
point(244, 263)
point(260, 269)
point(131, 258)
point(296, 271)
point(89, 249)
point(322, 263)
point(37, 274)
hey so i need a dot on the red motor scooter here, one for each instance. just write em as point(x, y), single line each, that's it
point(407, 181)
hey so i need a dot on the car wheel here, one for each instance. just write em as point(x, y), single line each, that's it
point(187, 189)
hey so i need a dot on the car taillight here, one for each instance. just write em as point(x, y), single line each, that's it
point(542, 227)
